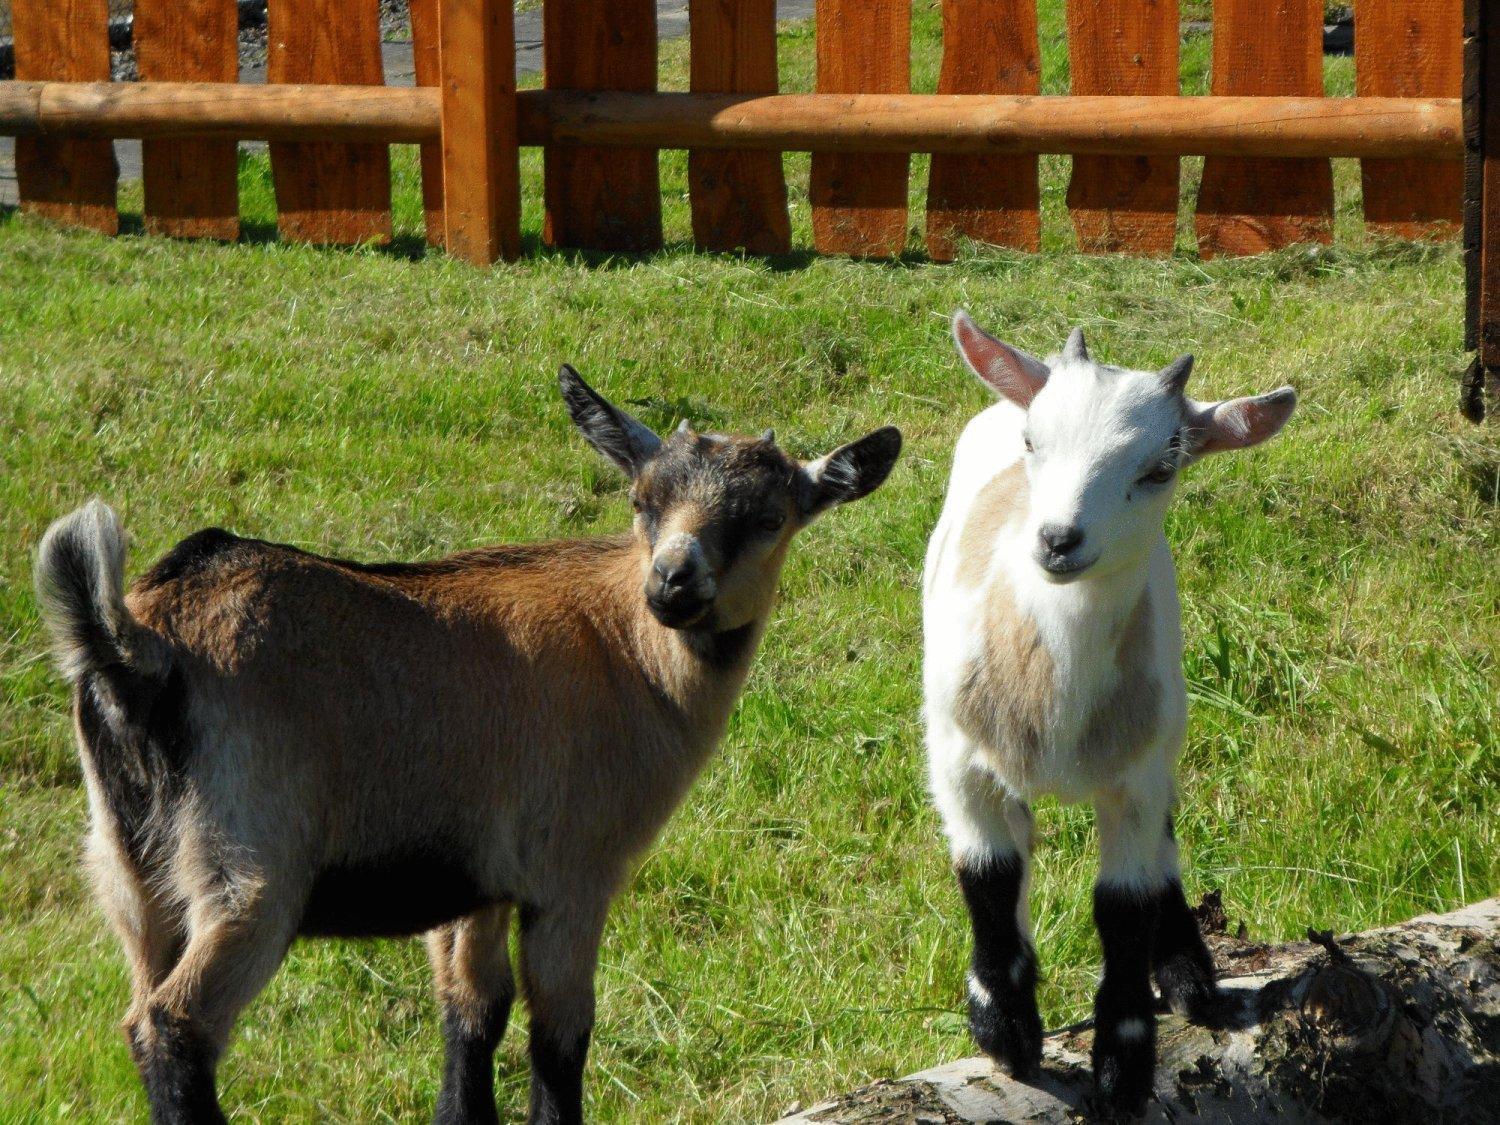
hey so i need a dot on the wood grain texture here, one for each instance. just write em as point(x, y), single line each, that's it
point(1473, 110)
point(329, 192)
point(738, 198)
point(192, 186)
point(1410, 49)
point(426, 63)
point(1489, 140)
point(481, 160)
point(1248, 206)
point(859, 201)
point(989, 47)
point(597, 198)
point(66, 180)
point(1124, 203)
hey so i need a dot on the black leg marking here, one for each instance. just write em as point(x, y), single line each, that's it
point(468, 1093)
point(556, 1077)
point(1124, 1009)
point(177, 1067)
point(1183, 966)
point(1003, 1015)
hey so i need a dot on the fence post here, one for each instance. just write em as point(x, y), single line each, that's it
point(481, 160)
point(738, 198)
point(1482, 234)
point(65, 179)
point(600, 198)
point(989, 47)
point(859, 199)
point(1410, 49)
point(328, 192)
point(192, 186)
point(427, 69)
point(1124, 203)
point(1247, 206)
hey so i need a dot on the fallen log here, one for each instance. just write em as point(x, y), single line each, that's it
point(1393, 1025)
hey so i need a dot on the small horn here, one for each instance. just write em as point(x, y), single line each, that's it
point(683, 427)
point(1175, 374)
point(1075, 350)
point(768, 437)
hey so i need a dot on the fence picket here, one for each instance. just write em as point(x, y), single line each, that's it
point(859, 200)
point(601, 198)
point(67, 180)
point(428, 68)
point(1246, 206)
point(738, 198)
point(192, 186)
point(989, 47)
point(1124, 203)
point(1410, 49)
point(328, 192)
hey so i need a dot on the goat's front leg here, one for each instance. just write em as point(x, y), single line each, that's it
point(990, 833)
point(559, 952)
point(471, 968)
point(1127, 902)
point(1183, 966)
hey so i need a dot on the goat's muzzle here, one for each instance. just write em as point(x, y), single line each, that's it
point(680, 589)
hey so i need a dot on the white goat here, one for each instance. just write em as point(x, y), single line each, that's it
point(1053, 666)
point(278, 744)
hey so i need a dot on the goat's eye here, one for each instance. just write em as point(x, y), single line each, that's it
point(1160, 474)
point(635, 503)
point(1029, 447)
point(772, 521)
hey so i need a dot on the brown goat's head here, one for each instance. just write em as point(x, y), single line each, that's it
point(715, 513)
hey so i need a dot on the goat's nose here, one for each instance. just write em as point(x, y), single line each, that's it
point(674, 573)
point(1060, 538)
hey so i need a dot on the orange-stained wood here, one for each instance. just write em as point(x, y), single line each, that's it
point(329, 192)
point(738, 198)
point(1247, 206)
point(192, 186)
point(859, 202)
point(989, 47)
point(1410, 48)
point(481, 160)
point(601, 199)
point(1124, 204)
point(424, 52)
point(66, 180)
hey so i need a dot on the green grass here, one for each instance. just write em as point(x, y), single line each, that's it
point(796, 930)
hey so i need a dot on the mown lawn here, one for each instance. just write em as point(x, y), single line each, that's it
point(796, 931)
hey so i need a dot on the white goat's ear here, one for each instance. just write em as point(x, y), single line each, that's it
point(624, 440)
point(1075, 348)
point(849, 472)
point(1006, 370)
point(1238, 423)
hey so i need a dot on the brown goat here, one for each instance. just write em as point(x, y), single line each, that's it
point(278, 744)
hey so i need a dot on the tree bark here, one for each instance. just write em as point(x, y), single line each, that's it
point(1392, 1025)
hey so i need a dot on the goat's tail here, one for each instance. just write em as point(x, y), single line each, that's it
point(80, 585)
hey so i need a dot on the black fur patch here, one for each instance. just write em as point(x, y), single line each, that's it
point(556, 1077)
point(394, 896)
point(192, 556)
point(723, 650)
point(468, 1092)
point(134, 733)
point(1124, 1064)
point(1183, 966)
point(178, 1073)
point(1003, 1015)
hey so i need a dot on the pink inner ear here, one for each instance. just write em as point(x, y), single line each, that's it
point(1243, 422)
point(1008, 371)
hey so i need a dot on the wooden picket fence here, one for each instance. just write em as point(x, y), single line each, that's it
point(1266, 129)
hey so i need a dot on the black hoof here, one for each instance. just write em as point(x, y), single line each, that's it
point(1188, 987)
point(1012, 1038)
point(1124, 1066)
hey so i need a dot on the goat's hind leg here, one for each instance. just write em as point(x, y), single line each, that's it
point(1180, 959)
point(990, 834)
point(471, 968)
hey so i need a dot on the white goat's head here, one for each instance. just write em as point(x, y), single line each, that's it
point(1104, 444)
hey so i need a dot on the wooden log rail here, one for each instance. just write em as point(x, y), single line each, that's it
point(957, 123)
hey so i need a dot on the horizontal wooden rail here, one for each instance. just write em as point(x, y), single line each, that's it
point(958, 123)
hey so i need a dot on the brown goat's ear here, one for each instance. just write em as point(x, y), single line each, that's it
point(1006, 370)
point(1238, 423)
point(624, 440)
point(849, 472)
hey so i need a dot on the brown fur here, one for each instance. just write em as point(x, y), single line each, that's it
point(999, 502)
